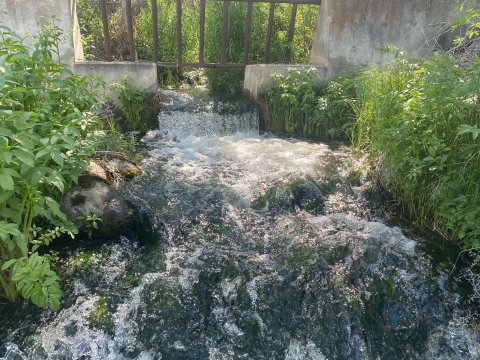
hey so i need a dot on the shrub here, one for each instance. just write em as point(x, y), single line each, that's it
point(46, 136)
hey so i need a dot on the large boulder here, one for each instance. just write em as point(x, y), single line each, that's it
point(94, 196)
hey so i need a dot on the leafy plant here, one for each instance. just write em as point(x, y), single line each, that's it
point(294, 103)
point(46, 136)
point(131, 100)
point(89, 221)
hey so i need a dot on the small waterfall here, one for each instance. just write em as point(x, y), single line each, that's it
point(268, 248)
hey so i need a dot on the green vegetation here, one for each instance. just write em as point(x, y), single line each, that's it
point(226, 80)
point(294, 103)
point(420, 121)
point(131, 103)
point(46, 137)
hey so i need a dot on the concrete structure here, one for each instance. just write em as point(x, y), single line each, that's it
point(142, 74)
point(350, 33)
point(27, 17)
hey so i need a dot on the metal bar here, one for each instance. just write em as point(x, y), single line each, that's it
point(290, 33)
point(131, 44)
point(248, 29)
point(269, 33)
point(106, 33)
point(201, 44)
point(204, 65)
point(224, 32)
point(155, 30)
point(179, 31)
point(311, 2)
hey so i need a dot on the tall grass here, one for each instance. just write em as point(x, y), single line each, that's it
point(422, 119)
point(295, 104)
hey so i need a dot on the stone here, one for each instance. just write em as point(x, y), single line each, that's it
point(124, 168)
point(94, 196)
point(95, 170)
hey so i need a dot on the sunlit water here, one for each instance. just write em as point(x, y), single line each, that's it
point(263, 248)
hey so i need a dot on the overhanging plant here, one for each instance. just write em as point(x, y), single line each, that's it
point(46, 136)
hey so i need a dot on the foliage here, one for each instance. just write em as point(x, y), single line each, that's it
point(423, 120)
point(131, 99)
point(294, 103)
point(46, 136)
point(231, 80)
point(116, 143)
point(89, 221)
point(470, 19)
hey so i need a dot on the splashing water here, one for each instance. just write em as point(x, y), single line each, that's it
point(267, 250)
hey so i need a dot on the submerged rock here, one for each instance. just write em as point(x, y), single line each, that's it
point(93, 196)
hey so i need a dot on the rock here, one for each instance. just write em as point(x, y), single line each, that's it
point(125, 168)
point(96, 171)
point(94, 196)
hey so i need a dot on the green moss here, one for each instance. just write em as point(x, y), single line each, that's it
point(101, 315)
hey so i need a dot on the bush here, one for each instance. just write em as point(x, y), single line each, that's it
point(294, 103)
point(46, 136)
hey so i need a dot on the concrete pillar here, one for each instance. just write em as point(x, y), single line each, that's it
point(27, 17)
point(350, 33)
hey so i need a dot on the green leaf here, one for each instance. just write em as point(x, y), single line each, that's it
point(24, 157)
point(57, 157)
point(54, 207)
point(20, 118)
point(5, 132)
point(5, 196)
point(6, 181)
point(54, 303)
point(8, 263)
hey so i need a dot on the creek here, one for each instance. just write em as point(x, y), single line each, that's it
point(253, 246)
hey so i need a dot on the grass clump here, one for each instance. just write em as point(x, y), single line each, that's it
point(295, 104)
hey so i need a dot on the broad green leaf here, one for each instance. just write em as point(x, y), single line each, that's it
point(8, 263)
point(6, 181)
point(7, 156)
point(33, 259)
point(5, 132)
point(24, 157)
point(20, 118)
point(5, 196)
point(53, 205)
point(57, 157)
point(54, 303)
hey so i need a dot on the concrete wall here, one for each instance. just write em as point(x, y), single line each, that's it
point(142, 74)
point(28, 16)
point(350, 33)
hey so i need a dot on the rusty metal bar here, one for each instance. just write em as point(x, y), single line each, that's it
point(204, 65)
point(179, 31)
point(269, 33)
point(224, 31)
point(248, 30)
point(201, 44)
point(290, 33)
point(131, 44)
point(155, 30)
point(106, 33)
point(308, 2)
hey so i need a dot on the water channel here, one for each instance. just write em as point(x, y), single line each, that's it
point(256, 247)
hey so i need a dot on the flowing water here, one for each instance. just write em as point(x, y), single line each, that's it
point(256, 247)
